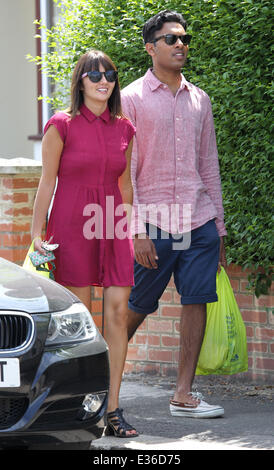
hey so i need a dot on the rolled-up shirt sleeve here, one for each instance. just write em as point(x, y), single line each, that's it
point(209, 168)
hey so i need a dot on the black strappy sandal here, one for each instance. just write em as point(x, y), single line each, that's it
point(117, 426)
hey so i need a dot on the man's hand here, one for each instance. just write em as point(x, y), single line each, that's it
point(222, 255)
point(145, 251)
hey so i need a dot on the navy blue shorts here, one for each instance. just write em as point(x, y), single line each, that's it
point(194, 269)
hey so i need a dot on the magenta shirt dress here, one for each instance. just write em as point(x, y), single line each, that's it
point(86, 210)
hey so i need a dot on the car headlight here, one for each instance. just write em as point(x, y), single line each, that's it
point(71, 325)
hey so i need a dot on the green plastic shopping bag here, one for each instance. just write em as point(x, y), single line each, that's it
point(224, 348)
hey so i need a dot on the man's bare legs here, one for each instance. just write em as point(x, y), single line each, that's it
point(134, 321)
point(192, 328)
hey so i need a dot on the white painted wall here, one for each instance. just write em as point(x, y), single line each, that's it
point(18, 87)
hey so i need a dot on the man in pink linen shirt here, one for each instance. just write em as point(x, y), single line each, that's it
point(178, 218)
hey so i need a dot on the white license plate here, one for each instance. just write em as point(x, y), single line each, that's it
point(9, 372)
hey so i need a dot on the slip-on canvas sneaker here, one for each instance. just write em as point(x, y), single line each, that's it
point(200, 410)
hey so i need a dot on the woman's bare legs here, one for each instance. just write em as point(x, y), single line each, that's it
point(116, 308)
point(115, 302)
point(116, 311)
point(83, 293)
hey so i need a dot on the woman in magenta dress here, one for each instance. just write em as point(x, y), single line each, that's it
point(87, 150)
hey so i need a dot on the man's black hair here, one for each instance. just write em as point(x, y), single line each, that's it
point(157, 21)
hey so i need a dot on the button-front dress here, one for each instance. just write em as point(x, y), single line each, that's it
point(87, 219)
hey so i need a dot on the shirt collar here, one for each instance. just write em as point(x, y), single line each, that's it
point(90, 116)
point(155, 83)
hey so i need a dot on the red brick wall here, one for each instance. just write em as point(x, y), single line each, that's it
point(18, 185)
point(155, 347)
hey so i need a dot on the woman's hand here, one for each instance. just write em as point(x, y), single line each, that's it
point(37, 245)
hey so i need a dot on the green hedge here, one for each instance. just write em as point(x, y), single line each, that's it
point(229, 58)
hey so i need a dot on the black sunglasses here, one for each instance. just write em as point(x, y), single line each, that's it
point(95, 76)
point(171, 39)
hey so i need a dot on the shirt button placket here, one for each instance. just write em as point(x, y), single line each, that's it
point(178, 154)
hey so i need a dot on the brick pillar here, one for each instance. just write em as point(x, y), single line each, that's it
point(19, 178)
point(97, 306)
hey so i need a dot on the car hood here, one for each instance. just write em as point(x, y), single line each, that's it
point(32, 293)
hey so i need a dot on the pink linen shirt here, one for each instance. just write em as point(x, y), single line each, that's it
point(175, 168)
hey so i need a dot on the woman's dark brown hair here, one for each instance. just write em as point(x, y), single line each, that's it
point(91, 60)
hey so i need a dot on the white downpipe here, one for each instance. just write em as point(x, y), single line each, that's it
point(44, 11)
point(46, 111)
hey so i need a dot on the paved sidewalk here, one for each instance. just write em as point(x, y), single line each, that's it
point(248, 422)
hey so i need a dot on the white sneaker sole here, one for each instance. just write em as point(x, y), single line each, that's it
point(216, 412)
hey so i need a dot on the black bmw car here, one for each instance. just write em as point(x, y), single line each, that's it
point(54, 368)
